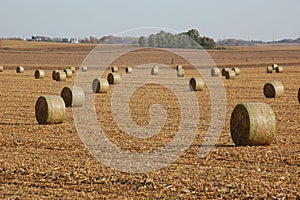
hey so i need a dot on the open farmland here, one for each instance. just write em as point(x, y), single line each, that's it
point(50, 161)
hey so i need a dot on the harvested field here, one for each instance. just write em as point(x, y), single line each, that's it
point(50, 161)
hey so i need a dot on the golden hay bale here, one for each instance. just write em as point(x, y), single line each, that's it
point(279, 69)
point(73, 96)
point(179, 67)
point(113, 78)
point(114, 69)
point(274, 66)
point(224, 70)
point(20, 69)
point(68, 73)
point(215, 72)
point(60, 76)
point(128, 70)
point(1, 68)
point(236, 70)
point(39, 74)
point(73, 69)
point(154, 70)
point(50, 110)
point(230, 74)
point(197, 84)
point(269, 69)
point(180, 72)
point(54, 74)
point(84, 68)
point(299, 95)
point(100, 85)
point(252, 124)
point(273, 89)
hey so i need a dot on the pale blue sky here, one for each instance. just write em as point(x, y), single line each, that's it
point(219, 19)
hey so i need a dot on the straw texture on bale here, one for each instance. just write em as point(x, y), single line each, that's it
point(179, 67)
point(100, 85)
point(20, 69)
point(39, 74)
point(73, 96)
point(180, 72)
point(274, 66)
point(236, 70)
point(50, 110)
point(128, 70)
point(252, 124)
point(73, 69)
point(299, 95)
point(279, 69)
point(273, 89)
point(224, 71)
point(197, 84)
point(114, 69)
point(269, 69)
point(68, 73)
point(84, 68)
point(113, 78)
point(60, 76)
point(230, 74)
point(154, 70)
point(215, 72)
point(1, 68)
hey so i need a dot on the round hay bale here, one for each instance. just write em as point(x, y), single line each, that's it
point(273, 89)
point(197, 84)
point(299, 95)
point(20, 69)
point(60, 76)
point(73, 96)
point(269, 69)
point(54, 74)
point(230, 74)
point(100, 85)
point(252, 124)
point(114, 69)
point(113, 78)
point(180, 72)
point(154, 70)
point(1, 68)
point(128, 70)
point(224, 71)
point(274, 66)
point(84, 68)
point(279, 69)
point(73, 69)
point(68, 73)
point(215, 72)
point(39, 74)
point(236, 70)
point(179, 67)
point(50, 110)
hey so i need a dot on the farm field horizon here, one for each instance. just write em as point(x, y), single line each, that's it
point(51, 161)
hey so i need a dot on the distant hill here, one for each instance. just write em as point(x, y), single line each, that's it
point(236, 42)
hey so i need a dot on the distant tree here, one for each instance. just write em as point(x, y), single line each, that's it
point(142, 41)
point(65, 40)
point(152, 41)
point(207, 43)
point(93, 40)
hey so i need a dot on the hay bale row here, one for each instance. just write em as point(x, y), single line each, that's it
point(274, 67)
point(252, 124)
point(20, 69)
point(197, 84)
point(1, 68)
point(273, 89)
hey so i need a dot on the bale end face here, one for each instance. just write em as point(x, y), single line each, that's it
point(20, 69)
point(224, 70)
point(128, 70)
point(60, 76)
point(252, 124)
point(39, 74)
point(273, 89)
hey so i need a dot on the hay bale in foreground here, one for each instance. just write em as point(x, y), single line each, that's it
point(68, 73)
point(252, 124)
point(73, 69)
point(180, 72)
point(100, 85)
point(230, 74)
point(279, 69)
point(84, 68)
point(155, 70)
point(273, 89)
point(50, 110)
point(224, 70)
point(215, 72)
point(60, 76)
point(236, 70)
point(269, 69)
point(20, 69)
point(197, 84)
point(114, 69)
point(113, 78)
point(39, 74)
point(1, 68)
point(128, 70)
point(73, 96)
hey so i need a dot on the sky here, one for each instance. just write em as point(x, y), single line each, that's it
point(220, 19)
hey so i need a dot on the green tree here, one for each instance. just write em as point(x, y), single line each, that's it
point(152, 41)
point(142, 41)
